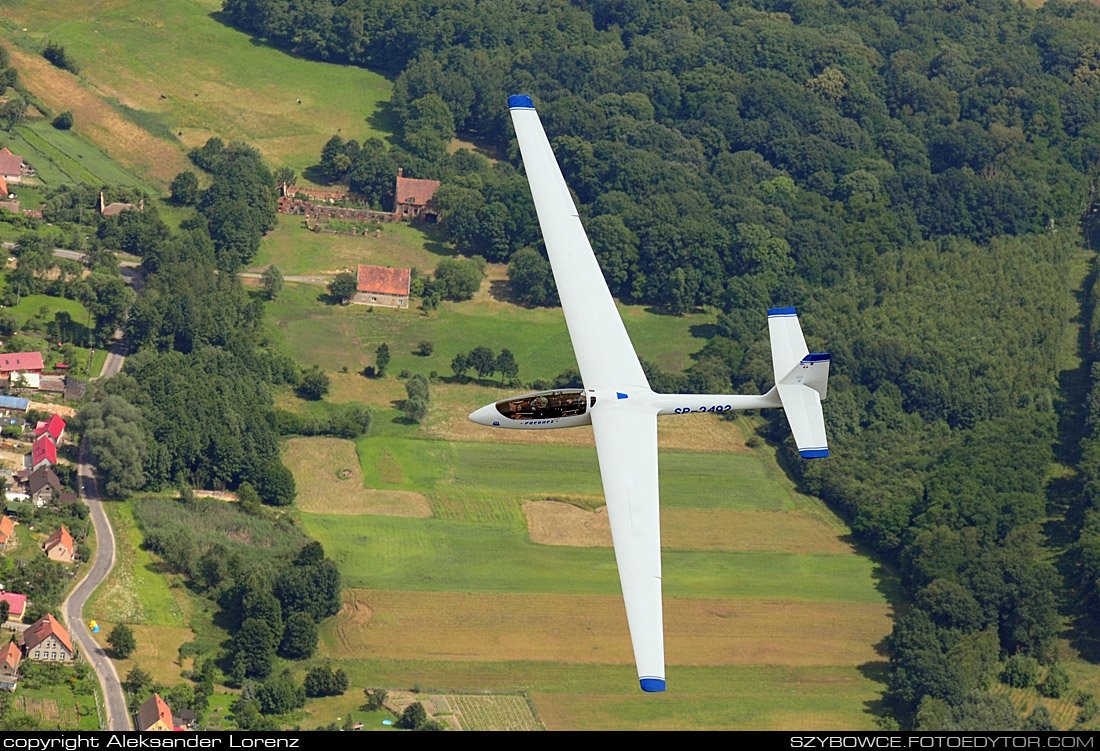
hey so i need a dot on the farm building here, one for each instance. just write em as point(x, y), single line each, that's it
point(413, 198)
point(154, 714)
point(47, 639)
point(381, 285)
point(60, 546)
point(14, 404)
point(17, 605)
point(11, 167)
point(10, 657)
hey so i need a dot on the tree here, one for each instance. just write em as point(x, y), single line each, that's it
point(185, 188)
point(531, 278)
point(275, 484)
point(482, 360)
point(458, 278)
point(381, 359)
point(137, 682)
point(280, 695)
point(314, 384)
point(415, 408)
point(413, 717)
point(424, 348)
point(299, 637)
point(5, 610)
point(460, 364)
point(64, 121)
point(253, 650)
point(322, 681)
point(506, 364)
point(1056, 683)
point(375, 698)
point(271, 281)
point(122, 641)
point(55, 53)
point(343, 287)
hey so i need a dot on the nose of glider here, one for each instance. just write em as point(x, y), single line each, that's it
point(487, 415)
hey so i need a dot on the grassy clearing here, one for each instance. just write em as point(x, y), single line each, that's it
point(218, 81)
point(337, 336)
point(298, 251)
point(330, 481)
point(430, 554)
point(137, 591)
point(157, 651)
point(592, 629)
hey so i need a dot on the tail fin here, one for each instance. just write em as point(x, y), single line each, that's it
point(801, 380)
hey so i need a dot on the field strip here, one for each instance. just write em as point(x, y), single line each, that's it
point(592, 628)
point(555, 523)
point(330, 481)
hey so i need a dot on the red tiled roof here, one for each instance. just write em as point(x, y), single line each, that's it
point(384, 281)
point(10, 164)
point(151, 710)
point(41, 630)
point(54, 427)
point(43, 448)
point(415, 191)
point(11, 655)
point(20, 361)
point(7, 526)
point(17, 604)
point(60, 537)
point(3, 188)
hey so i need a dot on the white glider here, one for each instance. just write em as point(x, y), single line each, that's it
point(618, 402)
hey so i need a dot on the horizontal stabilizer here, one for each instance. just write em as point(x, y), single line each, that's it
point(802, 406)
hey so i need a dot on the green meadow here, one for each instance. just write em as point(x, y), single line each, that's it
point(336, 336)
point(178, 73)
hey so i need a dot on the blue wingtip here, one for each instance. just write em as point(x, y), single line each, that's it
point(652, 685)
point(813, 453)
point(520, 102)
point(816, 357)
point(781, 312)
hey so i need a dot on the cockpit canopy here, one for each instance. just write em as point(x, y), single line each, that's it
point(544, 405)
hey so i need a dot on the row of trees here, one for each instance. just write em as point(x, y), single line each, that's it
point(484, 362)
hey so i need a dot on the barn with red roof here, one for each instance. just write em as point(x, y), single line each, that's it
point(382, 285)
point(413, 198)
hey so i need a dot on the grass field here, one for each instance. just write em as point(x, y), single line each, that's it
point(58, 707)
point(161, 76)
point(336, 336)
point(297, 250)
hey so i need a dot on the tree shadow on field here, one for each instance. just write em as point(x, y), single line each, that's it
point(879, 672)
point(703, 330)
point(384, 118)
point(315, 174)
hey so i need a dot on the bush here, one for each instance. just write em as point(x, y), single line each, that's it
point(1020, 671)
point(64, 121)
point(1055, 684)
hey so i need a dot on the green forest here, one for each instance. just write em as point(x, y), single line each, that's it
point(913, 176)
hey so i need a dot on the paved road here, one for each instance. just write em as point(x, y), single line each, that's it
point(118, 717)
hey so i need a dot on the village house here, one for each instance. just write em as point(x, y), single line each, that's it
point(54, 428)
point(47, 639)
point(60, 546)
point(413, 198)
point(6, 202)
point(116, 208)
point(43, 485)
point(17, 605)
point(22, 364)
point(10, 657)
point(11, 167)
point(7, 529)
point(381, 285)
point(43, 453)
point(154, 714)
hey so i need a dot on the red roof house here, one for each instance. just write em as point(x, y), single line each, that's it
point(54, 428)
point(60, 546)
point(10, 657)
point(381, 285)
point(17, 605)
point(14, 361)
point(413, 197)
point(47, 639)
point(43, 452)
point(154, 714)
point(7, 526)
